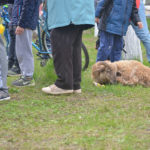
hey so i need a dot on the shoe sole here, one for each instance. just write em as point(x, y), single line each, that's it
point(16, 75)
point(77, 91)
point(7, 98)
point(33, 84)
point(55, 93)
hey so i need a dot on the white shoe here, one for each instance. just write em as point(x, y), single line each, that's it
point(79, 91)
point(54, 90)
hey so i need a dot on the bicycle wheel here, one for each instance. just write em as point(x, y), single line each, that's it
point(46, 43)
point(85, 57)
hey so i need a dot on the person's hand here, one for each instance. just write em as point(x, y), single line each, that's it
point(19, 30)
point(140, 25)
point(41, 10)
point(97, 20)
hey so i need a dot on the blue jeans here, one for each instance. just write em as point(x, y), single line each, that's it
point(143, 34)
point(111, 46)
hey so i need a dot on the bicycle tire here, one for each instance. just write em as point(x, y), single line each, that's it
point(46, 43)
point(83, 48)
point(86, 55)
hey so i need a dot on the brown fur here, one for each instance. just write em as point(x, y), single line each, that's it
point(126, 72)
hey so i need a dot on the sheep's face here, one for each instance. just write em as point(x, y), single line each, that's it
point(103, 74)
point(99, 74)
point(104, 77)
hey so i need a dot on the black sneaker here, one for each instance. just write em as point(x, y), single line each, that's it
point(4, 95)
point(24, 81)
point(14, 72)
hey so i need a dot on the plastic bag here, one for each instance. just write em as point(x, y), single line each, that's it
point(132, 48)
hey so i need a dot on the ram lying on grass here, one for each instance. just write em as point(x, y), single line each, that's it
point(126, 72)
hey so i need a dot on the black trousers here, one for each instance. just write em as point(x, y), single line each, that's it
point(12, 58)
point(66, 44)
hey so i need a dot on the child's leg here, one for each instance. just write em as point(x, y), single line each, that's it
point(12, 58)
point(3, 73)
point(106, 44)
point(117, 48)
point(3, 66)
point(24, 53)
point(11, 47)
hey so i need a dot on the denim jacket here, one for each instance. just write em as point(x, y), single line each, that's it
point(115, 15)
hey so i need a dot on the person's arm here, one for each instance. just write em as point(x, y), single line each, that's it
point(3, 2)
point(25, 12)
point(134, 15)
point(25, 15)
point(100, 8)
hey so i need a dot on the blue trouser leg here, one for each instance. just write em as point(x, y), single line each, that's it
point(106, 44)
point(143, 34)
point(117, 48)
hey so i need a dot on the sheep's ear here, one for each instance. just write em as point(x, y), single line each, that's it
point(100, 68)
point(106, 64)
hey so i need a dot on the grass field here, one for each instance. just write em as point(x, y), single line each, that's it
point(113, 117)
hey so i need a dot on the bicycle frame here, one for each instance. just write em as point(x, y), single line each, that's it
point(44, 28)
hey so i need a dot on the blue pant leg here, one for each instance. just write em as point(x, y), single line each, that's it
point(117, 48)
point(106, 44)
point(143, 34)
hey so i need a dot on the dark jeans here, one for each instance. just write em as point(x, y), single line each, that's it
point(111, 46)
point(66, 45)
point(12, 59)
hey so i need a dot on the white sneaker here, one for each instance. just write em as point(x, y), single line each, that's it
point(53, 89)
point(79, 91)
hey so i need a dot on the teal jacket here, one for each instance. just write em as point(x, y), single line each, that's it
point(65, 12)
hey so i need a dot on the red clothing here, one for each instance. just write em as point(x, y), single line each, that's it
point(137, 3)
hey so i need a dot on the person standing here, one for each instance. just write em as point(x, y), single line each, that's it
point(143, 34)
point(13, 65)
point(113, 18)
point(25, 16)
point(67, 19)
point(26, 23)
point(4, 95)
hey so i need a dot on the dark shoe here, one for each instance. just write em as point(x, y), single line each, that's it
point(13, 72)
point(24, 81)
point(4, 95)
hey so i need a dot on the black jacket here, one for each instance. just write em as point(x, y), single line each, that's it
point(25, 12)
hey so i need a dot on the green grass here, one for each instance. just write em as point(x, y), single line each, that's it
point(113, 117)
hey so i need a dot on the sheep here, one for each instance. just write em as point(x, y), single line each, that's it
point(126, 72)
